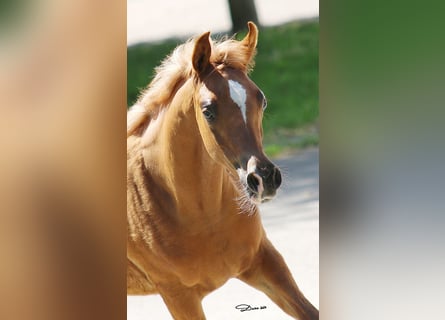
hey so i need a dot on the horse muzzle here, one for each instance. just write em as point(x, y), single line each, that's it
point(262, 180)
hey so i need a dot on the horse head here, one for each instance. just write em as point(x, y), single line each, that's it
point(229, 109)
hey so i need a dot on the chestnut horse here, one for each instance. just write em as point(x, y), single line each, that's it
point(196, 171)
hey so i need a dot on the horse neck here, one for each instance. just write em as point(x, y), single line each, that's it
point(198, 184)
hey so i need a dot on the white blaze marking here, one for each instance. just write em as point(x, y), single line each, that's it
point(238, 95)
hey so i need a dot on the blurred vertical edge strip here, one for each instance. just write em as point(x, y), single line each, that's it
point(382, 160)
point(62, 164)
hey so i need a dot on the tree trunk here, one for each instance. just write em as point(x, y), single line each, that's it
point(242, 11)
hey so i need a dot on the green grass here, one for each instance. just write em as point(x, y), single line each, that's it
point(286, 70)
point(283, 140)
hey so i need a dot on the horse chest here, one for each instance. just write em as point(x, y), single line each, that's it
point(211, 257)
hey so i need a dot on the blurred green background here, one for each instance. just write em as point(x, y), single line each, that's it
point(286, 70)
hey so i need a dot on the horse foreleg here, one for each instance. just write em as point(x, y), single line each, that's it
point(182, 302)
point(270, 274)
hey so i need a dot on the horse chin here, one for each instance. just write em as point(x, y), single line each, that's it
point(254, 197)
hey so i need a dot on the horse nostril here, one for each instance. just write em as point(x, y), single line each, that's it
point(276, 178)
point(253, 182)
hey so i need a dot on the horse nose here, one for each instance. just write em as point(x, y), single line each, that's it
point(263, 178)
point(276, 177)
point(272, 177)
point(254, 182)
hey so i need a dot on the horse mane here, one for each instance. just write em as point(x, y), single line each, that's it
point(174, 70)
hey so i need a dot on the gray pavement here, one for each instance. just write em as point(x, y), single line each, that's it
point(291, 222)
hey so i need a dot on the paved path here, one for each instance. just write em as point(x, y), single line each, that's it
point(149, 20)
point(291, 222)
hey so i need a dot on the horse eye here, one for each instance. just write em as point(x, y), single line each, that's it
point(264, 103)
point(208, 114)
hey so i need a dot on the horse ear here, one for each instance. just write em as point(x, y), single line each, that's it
point(201, 54)
point(250, 41)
